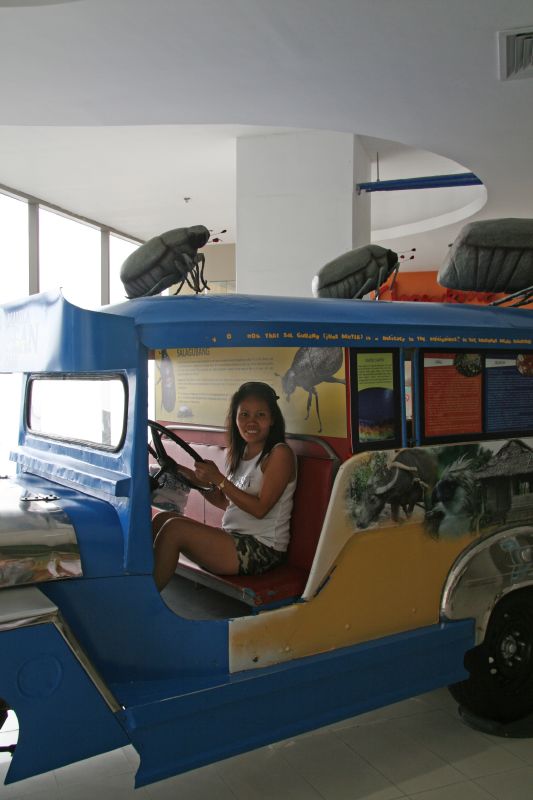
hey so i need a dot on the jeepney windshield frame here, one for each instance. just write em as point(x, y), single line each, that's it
point(71, 376)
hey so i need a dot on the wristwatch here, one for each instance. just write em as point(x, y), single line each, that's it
point(221, 484)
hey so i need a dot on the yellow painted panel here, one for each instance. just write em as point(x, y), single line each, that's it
point(383, 582)
point(382, 573)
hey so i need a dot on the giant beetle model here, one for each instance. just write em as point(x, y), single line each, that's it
point(364, 612)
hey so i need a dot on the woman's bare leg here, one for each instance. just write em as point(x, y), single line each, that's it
point(159, 520)
point(211, 548)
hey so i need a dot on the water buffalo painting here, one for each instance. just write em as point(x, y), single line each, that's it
point(452, 490)
point(403, 483)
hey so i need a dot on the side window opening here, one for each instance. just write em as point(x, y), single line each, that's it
point(75, 408)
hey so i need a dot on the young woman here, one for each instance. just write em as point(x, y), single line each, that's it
point(256, 496)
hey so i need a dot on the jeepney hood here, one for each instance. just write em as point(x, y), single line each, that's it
point(37, 540)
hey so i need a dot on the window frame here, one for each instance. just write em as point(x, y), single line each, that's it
point(62, 376)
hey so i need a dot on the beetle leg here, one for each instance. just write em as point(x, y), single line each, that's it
point(178, 290)
point(192, 281)
point(317, 409)
point(309, 398)
point(201, 262)
point(382, 277)
point(367, 286)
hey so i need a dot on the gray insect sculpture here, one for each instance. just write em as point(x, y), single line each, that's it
point(165, 260)
point(311, 366)
point(492, 255)
point(355, 273)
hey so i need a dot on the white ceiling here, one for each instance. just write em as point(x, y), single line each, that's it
point(118, 109)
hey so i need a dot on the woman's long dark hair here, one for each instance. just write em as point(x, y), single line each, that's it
point(236, 444)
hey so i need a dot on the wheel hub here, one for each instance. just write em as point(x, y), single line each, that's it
point(512, 662)
point(511, 647)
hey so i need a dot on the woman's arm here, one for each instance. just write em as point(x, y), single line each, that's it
point(215, 496)
point(278, 471)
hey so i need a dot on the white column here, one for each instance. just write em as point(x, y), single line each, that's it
point(297, 208)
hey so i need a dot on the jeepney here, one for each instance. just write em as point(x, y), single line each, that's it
point(410, 563)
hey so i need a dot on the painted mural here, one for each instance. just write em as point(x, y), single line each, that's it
point(451, 489)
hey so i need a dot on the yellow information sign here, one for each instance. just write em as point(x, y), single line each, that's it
point(374, 370)
point(195, 385)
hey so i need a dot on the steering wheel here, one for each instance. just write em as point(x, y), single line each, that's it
point(166, 462)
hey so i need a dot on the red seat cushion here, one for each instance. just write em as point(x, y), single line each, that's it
point(275, 586)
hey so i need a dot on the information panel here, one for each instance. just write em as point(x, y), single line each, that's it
point(452, 394)
point(509, 387)
point(375, 397)
point(194, 385)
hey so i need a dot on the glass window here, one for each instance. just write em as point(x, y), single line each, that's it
point(13, 248)
point(69, 259)
point(375, 391)
point(119, 250)
point(78, 409)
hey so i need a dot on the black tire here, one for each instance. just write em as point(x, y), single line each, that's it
point(500, 686)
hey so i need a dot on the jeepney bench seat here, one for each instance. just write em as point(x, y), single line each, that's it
point(287, 581)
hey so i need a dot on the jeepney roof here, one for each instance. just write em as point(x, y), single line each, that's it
point(220, 320)
point(47, 333)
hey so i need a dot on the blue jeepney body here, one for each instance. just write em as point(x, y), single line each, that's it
point(97, 660)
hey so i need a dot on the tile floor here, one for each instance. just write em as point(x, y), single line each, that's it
point(418, 749)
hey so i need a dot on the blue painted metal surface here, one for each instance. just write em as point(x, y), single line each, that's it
point(424, 182)
point(131, 635)
point(62, 716)
point(245, 320)
point(249, 710)
point(47, 333)
point(97, 527)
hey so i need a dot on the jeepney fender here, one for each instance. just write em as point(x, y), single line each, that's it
point(65, 711)
point(486, 571)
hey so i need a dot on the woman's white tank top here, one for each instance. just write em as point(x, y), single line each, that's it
point(274, 529)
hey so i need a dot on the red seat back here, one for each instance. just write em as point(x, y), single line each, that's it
point(311, 498)
point(316, 470)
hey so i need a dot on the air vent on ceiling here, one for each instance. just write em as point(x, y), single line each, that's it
point(515, 50)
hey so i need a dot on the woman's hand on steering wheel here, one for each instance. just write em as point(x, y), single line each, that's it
point(208, 472)
point(166, 462)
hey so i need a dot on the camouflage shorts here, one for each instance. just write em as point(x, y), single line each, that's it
point(254, 556)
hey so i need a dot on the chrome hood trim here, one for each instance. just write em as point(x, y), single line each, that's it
point(37, 539)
